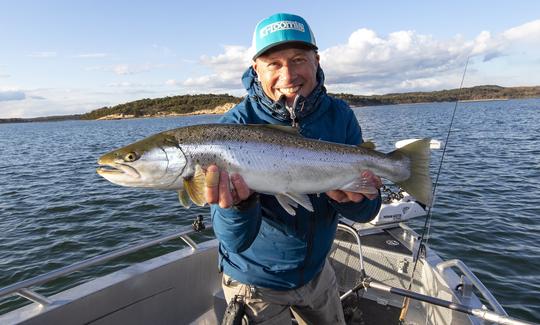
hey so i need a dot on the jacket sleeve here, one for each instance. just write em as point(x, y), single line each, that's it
point(237, 227)
point(365, 210)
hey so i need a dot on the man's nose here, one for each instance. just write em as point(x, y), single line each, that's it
point(287, 73)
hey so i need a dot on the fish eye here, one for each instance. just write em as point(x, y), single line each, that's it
point(131, 157)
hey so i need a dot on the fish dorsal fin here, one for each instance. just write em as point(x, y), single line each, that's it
point(283, 128)
point(195, 187)
point(183, 197)
point(367, 145)
point(290, 201)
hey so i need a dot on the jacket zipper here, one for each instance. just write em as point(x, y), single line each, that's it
point(292, 111)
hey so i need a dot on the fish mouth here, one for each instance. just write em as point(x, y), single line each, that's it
point(114, 169)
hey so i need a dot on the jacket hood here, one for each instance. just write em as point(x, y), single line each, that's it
point(303, 106)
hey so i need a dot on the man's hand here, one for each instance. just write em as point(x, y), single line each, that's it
point(218, 188)
point(343, 196)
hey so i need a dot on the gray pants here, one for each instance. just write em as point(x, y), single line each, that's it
point(317, 302)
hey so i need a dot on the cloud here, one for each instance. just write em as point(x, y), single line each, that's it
point(370, 63)
point(46, 54)
point(9, 95)
point(227, 67)
point(127, 69)
point(527, 32)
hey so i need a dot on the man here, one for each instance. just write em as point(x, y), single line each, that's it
point(276, 261)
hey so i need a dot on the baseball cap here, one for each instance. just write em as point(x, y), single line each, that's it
point(281, 28)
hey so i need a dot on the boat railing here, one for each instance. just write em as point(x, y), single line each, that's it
point(499, 312)
point(467, 273)
point(22, 288)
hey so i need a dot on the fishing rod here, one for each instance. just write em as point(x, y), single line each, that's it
point(416, 256)
point(483, 314)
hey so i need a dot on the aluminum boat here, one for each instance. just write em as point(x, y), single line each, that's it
point(383, 274)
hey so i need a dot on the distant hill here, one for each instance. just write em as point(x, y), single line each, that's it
point(487, 92)
point(220, 103)
point(175, 105)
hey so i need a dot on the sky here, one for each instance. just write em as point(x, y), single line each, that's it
point(70, 57)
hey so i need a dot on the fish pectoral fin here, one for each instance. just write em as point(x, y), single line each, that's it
point(360, 185)
point(184, 199)
point(195, 187)
point(290, 201)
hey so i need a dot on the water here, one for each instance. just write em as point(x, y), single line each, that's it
point(55, 210)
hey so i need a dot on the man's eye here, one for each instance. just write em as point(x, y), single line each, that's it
point(273, 66)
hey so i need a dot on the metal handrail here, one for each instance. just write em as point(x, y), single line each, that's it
point(352, 231)
point(21, 288)
point(475, 281)
point(349, 229)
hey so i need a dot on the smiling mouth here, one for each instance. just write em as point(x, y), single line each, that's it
point(289, 90)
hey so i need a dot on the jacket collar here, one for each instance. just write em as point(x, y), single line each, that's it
point(302, 107)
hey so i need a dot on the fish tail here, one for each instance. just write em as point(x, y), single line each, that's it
point(419, 182)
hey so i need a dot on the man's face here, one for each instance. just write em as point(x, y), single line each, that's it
point(287, 72)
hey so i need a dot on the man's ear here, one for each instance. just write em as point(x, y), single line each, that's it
point(254, 65)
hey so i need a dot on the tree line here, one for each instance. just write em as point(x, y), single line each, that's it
point(183, 104)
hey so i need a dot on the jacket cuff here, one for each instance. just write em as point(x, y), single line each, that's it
point(363, 211)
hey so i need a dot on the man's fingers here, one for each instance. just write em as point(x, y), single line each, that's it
point(337, 195)
point(242, 190)
point(374, 179)
point(225, 195)
point(212, 182)
point(355, 197)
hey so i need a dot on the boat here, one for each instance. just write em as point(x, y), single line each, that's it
point(383, 274)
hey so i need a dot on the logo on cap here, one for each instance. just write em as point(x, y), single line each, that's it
point(281, 25)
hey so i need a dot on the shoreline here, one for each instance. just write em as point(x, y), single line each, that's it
point(222, 109)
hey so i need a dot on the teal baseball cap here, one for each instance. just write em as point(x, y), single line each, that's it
point(281, 28)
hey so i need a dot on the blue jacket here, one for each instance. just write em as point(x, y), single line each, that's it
point(261, 244)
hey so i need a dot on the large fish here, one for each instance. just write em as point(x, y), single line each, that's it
point(271, 159)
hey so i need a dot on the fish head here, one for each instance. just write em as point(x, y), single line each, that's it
point(154, 162)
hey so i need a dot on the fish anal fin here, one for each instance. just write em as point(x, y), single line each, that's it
point(195, 186)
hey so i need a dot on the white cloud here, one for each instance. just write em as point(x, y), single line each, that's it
point(529, 32)
point(127, 69)
point(370, 63)
point(228, 68)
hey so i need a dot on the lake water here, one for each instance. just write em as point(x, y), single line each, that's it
point(55, 210)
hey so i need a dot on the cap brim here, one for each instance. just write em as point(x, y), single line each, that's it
point(267, 48)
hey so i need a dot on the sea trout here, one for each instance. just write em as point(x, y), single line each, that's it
point(272, 159)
